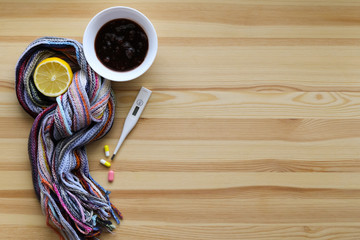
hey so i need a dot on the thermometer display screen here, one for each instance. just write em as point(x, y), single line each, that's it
point(135, 111)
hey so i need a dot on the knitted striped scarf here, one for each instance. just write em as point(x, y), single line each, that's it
point(74, 204)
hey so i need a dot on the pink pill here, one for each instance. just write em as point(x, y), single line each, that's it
point(111, 176)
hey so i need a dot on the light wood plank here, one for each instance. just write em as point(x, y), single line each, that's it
point(205, 180)
point(213, 231)
point(231, 104)
point(295, 130)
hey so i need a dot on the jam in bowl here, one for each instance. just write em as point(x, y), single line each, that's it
point(120, 43)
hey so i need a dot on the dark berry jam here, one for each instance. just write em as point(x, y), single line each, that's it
point(121, 45)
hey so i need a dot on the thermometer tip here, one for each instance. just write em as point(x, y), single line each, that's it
point(113, 156)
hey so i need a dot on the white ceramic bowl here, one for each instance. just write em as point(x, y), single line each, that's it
point(94, 26)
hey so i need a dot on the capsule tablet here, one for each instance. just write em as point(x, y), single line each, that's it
point(111, 176)
point(105, 163)
point(107, 151)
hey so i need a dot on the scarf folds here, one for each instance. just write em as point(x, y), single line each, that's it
point(74, 204)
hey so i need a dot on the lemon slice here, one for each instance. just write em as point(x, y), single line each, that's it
point(53, 76)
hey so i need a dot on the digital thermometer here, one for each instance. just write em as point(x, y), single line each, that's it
point(133, 116)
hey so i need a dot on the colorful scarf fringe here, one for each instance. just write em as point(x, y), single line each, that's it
point(75, 205)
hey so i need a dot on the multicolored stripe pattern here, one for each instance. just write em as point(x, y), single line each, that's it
point(74, 204)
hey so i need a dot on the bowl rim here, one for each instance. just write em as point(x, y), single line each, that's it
point(101, 69)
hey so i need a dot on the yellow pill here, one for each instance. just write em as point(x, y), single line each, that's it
point(105, 163)
point(107, 151)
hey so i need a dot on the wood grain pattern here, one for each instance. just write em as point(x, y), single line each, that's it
point(252, 131)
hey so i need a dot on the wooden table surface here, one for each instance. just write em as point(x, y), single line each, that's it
point(252, 131)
